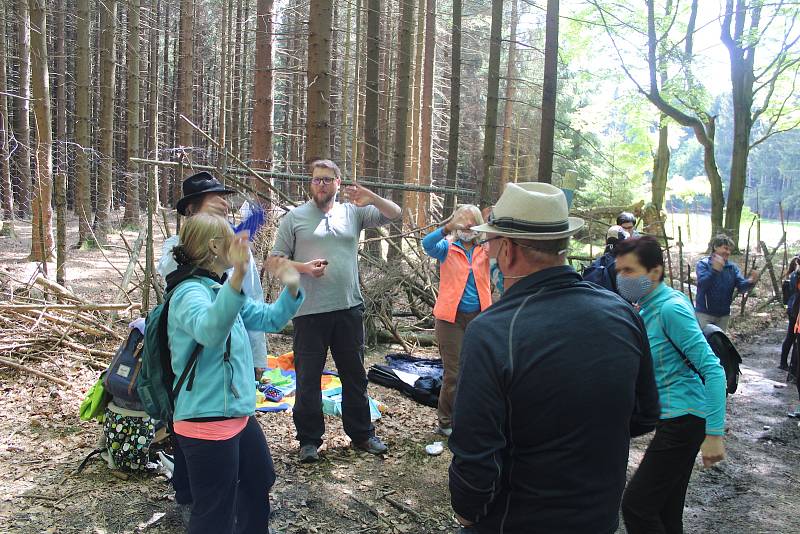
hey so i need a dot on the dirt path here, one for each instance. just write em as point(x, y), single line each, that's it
point(42, 441)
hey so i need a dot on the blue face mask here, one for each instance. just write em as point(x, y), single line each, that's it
point(633, 288)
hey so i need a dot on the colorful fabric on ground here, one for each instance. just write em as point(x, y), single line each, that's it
point(280, 373)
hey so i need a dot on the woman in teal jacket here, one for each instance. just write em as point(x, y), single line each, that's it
point(692, 412)
point(228, 459)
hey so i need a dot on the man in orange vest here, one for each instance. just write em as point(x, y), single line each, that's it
point(464, 291)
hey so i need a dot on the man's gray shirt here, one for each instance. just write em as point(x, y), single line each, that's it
point(306, 233)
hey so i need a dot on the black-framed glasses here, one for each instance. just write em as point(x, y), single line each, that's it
point(327, 180)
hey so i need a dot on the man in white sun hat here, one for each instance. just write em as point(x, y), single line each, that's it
point(556, 377)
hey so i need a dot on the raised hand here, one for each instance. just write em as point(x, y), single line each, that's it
point(359, 196)
point(239, 251)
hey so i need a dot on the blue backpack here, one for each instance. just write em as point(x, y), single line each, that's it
point(121, 377)
point(603, 272)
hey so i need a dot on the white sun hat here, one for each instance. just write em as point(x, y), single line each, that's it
point(531, 210)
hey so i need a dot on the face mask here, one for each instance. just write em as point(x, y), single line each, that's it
point(467, 235)
point(633, 288)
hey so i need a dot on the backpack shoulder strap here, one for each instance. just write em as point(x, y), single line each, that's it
point(683, 356)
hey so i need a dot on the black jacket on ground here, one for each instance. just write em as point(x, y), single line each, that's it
point(555, 378)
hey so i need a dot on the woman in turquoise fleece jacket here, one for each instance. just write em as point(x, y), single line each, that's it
point(692, 412)
point(229, 464)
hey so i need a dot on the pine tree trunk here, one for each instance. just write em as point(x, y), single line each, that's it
point(108, 22)
point(508, 112)
point(371, 140)
point(403, 86)
point(167, 107)
point(490, 130)
point(83, 118)
point(412, 169)
point(60, 166)
point(131, 217)
point(455, 109)
point(41, 227)
point(263, 103)
point(22, 111)
point(238, 59)
point(423, 199)
point(184, 104)
point(152, 107)
point(318, 83)
point(245, 89)
point(547, 139)
point(223, 87)
point(345, 100)
point(6, 191)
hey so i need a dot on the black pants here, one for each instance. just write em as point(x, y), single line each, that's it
point(343, 332)
point(230, 481)
point(180, 475)
point(653, 501)
point(790, 343)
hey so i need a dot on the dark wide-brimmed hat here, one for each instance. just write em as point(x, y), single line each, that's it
point(197, 185)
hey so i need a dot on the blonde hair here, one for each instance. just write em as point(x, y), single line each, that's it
point(196, 235)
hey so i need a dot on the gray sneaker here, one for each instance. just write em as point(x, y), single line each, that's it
point(308, 454)
point(373, 445)
point(444, 431)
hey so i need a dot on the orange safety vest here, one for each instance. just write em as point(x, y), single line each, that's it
point(453, 275)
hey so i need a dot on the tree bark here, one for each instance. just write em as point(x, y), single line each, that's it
point(41, 227)
point(83, 118)
point(22, 111)
point(508, 112)
point(546, 141)
point(238, 59)
point(371, 139)
point(131, 216)
point(318, 84)
point(403, 86)
point(426, 138)
point(6, 191)
point(661, 165)
point(60, 165)
point(263, 102)
point(223, 87)
point(184, 104)
point(152, 107)
point(108, 23)
point(490, 130)
point(167, 106)
point(741, 44)
point(455, 109)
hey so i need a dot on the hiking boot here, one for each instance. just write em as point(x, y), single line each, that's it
point(443, 430)
point(308, 454)
point(373, 445)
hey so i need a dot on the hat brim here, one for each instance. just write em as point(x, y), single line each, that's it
point(575, 224)
point(183, 202)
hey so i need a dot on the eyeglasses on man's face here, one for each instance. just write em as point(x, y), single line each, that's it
point(485, 242)
point(327, 180)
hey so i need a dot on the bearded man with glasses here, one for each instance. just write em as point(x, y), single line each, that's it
point(321, 237)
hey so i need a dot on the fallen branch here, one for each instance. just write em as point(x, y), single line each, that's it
point(78, 307)
point(40, 374)
point(402, 507)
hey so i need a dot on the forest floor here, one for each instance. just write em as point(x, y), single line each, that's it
point(42, 442)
